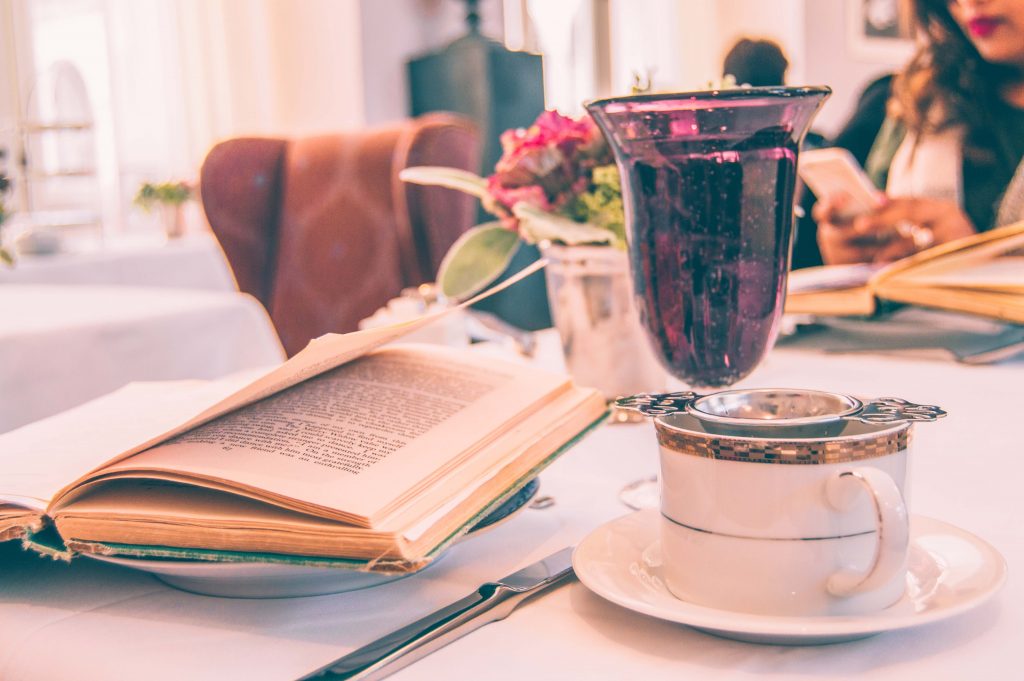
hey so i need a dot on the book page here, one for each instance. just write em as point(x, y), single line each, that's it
point(186, 505)
point(168, 514)
point(831, 290)
point(147, 511)
point(951, 255)
point(830, 277)
point(332, 350)
point(556, 424)
point(1005, 274)
point(38, 459)
point(999, 305)
point(15, 521)
point(146, 422)
point(364, 437)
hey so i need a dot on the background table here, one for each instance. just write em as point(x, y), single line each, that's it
point(63, 345)
point(195, 261)
point(92, 621)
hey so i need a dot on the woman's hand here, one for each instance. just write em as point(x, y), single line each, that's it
point(900, 227)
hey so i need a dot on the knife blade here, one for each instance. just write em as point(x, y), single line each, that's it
point(491, 602)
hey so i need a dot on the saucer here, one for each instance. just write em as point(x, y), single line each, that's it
point(281, 580)
point(949, 571)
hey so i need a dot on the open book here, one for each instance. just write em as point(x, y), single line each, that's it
point(349, 455)
point(982, 274)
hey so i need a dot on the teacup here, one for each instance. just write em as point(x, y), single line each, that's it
point(782, 512)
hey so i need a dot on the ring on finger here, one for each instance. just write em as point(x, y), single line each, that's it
point(922, 237)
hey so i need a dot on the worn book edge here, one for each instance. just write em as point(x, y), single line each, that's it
point(46, 541)
point(321, 355)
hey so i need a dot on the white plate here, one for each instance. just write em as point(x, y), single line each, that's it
point(280, 580)
point(251, 580)
point(950, 571)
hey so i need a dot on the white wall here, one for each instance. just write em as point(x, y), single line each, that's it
point(318, 65)
point(271, 67)
point(147, 101)
point(179, 75)
point(335, 63)
point(10, 100)
point(673, 39)
point(833, 58)
point(686, 41)
point(187, 73)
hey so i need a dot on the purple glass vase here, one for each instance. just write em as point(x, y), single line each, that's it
point(708, 182)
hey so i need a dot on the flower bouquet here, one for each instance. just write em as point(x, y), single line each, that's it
point(554, 183)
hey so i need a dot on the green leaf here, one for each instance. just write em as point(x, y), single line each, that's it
point(538, 225)
point(172, 193)
point(453, 178)
point(476, 259)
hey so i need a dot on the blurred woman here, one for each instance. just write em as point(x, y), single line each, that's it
point(953, 140)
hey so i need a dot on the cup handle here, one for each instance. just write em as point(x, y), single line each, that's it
point(892, 526)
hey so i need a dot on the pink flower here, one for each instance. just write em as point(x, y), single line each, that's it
point(549, 163)
point(509, 196)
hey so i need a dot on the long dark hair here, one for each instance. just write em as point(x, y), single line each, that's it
point(947, 82)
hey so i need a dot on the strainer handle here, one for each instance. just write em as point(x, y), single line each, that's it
point(895, 409)
point(658, 404)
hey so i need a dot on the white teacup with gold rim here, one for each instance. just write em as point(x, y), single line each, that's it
point(784, 502)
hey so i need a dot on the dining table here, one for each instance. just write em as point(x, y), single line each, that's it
point(194, 261)
point(91, 620)
point(64, 344)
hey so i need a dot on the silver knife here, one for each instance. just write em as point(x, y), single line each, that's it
point(493, 601)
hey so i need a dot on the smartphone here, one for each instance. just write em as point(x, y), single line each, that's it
point(833, 171)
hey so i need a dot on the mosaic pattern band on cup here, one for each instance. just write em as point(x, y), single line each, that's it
point(799, 452)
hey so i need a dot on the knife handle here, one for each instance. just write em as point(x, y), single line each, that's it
point(404, 646)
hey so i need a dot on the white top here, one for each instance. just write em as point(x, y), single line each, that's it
point(195, 261)
point(92, 621)
point(64, 345)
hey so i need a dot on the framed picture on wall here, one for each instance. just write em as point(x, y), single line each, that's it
point(879, 30)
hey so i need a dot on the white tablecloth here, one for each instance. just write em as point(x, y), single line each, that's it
point(91, 621)
point(63, 345)
point(195, 261)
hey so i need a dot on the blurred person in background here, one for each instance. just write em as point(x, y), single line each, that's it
point(857, 136)
point(951, 146)
point(759, 62)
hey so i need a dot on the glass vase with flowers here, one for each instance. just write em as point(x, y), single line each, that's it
point(556, 185)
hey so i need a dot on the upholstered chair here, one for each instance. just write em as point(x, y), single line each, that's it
point(323, 232)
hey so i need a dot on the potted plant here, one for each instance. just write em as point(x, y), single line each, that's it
point(168, 198)
point(5, 184)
